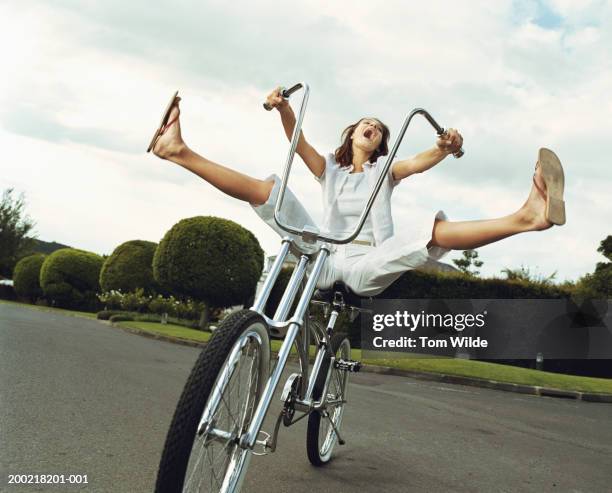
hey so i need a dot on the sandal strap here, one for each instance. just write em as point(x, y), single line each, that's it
point(536, 185)
point(167, 125)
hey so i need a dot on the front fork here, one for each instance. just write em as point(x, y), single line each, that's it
point(249, 439)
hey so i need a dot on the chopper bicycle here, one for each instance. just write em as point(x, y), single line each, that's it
point(216, 427)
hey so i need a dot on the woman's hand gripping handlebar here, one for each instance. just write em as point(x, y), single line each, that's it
point(279, 96)
point(442, 133)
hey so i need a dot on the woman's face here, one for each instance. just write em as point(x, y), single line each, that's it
point(368, 134)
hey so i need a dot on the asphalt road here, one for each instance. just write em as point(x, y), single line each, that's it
point(80, 397)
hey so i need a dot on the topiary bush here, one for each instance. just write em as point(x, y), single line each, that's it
point(26, 277)
point(129, 267)
point(210, 259)
point(69, 278)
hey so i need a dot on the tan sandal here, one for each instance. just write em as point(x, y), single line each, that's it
point(552, 173)
point(164, 124)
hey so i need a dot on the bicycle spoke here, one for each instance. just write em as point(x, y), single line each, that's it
point(234, 412)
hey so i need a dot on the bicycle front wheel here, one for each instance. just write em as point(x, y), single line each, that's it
point(202, 451)
point(321, 437)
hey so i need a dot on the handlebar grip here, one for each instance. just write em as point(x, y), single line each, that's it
point(460, 152)
point(285, 93)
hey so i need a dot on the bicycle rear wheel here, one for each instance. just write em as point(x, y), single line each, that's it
point(320, 435)
point(202, 451)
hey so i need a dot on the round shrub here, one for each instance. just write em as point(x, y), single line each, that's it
point(26, 277)
point(210, 259)
point(69, 278)
point(129, 267)
point(121, 318)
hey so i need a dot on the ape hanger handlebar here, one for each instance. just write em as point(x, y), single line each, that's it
point(310, 233)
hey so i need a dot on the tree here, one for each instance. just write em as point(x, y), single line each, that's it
point(130, 267)
point(599, 283)
point(209, 259)
point(605, 247)
point(525, 274)
point(14, 229)
point(470, 258)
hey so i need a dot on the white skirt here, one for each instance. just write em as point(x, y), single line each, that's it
point(366, 270)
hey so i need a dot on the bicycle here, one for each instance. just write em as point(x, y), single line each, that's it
point(216, 427)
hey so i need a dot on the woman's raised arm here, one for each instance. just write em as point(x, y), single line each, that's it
point(314, 160)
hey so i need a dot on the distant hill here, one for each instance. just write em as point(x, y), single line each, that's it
point(46, 247)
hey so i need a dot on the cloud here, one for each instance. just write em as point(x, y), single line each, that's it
point(87, 85)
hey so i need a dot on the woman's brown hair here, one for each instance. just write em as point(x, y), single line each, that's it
point(344, 153)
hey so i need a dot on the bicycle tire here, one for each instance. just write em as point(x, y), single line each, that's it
point(319, 450)
point(198, 396)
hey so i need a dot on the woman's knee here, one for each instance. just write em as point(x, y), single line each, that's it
point(436, 233)
point(262, 192)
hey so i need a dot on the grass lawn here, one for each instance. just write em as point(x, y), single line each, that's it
point(72, 313)
point(168, 330)
point(448, 366)
point(492, 371)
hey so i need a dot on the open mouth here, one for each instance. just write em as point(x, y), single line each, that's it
point(368, 133)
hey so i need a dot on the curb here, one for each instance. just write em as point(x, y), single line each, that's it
point(420, 375)
point(159, 337)
point(492, 384)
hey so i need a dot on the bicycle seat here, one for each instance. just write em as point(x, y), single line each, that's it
point(349, 297)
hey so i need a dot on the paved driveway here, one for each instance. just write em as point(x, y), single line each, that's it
point(80, 397)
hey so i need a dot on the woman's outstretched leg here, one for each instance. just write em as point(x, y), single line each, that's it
point(170, 146)
point(464, 235)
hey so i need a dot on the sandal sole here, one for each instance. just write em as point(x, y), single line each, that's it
point(164, 120)
point(552, 173)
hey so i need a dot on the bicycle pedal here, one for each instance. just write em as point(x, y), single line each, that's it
point(347, 365)
point(263, 443)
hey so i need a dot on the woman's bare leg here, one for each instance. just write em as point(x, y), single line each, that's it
point(464, 235)
point(170, 146)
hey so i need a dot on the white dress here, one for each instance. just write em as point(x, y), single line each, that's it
point(366, 270)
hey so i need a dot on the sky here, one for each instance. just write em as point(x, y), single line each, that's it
point(84, 84)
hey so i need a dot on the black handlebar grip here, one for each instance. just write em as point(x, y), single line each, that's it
point(457, 154)
point(285, 93)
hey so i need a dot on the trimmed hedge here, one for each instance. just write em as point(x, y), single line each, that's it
point(7, 292)
point(129, 267)
point(106, 314)
point(26, 277)
point(121, 318)
point(416, 284)
point(69, 278)
point(209, 259)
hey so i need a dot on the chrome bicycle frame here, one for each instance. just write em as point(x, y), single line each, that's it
point(295, 328)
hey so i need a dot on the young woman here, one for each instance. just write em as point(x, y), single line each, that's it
point(378, 256)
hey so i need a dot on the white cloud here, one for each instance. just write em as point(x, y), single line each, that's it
point(89, 80)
